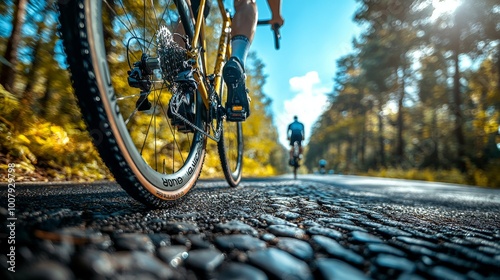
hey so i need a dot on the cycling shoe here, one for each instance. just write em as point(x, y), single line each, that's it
point(238, 101)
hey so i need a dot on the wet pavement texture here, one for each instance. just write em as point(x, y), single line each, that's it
point(265, 229)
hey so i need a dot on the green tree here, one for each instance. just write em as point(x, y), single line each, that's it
point(9, 69)
point(465, 33)
point(403, 98)
point(432, 91)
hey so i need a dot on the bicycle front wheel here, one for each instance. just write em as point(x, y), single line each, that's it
point(230, 147)
point(124, 57)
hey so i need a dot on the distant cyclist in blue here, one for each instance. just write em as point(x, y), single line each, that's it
point(295, 132)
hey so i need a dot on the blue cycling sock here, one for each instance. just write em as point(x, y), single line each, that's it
point(240, 45)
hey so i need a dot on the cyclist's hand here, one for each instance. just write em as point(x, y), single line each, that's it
point(276, 21)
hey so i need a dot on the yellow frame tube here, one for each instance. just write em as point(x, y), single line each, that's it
point(224, 46)
point(193, 53)
point(223, 52)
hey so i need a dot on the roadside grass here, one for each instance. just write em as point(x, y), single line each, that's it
point(489, 177)
point(47, 152)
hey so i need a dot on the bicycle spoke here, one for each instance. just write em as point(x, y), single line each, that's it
point(172, 130)
point(118, 17)
point(137, 27)
point(159, 19)
point(130, 117)
point(161, 143)
point(144, 19)
point(154, 22)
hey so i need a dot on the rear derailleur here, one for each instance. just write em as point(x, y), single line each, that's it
point(181, 108)
point(139, 77)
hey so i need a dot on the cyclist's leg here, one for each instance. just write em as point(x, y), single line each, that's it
point(300, 148)
point(291, 161)
point(293, 139)
point(243, 28)
point(245, 18)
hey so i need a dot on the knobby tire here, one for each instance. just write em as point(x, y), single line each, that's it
point(81, 28)
point(230, 147)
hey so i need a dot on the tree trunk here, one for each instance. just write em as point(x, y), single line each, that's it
point(7, 76)
point(362, 150)
point(457, 98)
point(435, 155)
point(35, 57)
point(44, 101)
point(381, 139)
point(28, 98)
point(457, 111)
point(399, 123)
point(498, 70)
point(349, 154)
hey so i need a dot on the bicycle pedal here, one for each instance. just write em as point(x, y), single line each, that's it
point(236, 114)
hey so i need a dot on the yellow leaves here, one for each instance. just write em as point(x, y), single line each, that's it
point(255, 168)
point(449, 176)
point(490, 177)
point(23, 152)
point(492, 125)
point(8, 102)
point(48, 140)
point(23, 140)
point(211, 167)
point(67, 156)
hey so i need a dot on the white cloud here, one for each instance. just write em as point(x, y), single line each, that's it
point(308, 103)
point(304, 83)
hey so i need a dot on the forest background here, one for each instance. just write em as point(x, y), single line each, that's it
point(418, 98)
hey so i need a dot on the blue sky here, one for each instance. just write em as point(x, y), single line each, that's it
point(315, 35)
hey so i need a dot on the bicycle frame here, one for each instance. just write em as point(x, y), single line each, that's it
point(223, 52)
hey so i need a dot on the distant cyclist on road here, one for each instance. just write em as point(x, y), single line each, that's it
point(295, 133)
point(322, 166)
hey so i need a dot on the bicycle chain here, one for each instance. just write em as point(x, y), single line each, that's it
point(176, 96)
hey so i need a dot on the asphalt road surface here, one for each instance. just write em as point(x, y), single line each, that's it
point(317, 227)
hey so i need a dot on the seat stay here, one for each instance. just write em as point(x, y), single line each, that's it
point(223, 51)
point(194, 54)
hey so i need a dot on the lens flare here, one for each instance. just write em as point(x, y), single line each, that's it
point(444, 7)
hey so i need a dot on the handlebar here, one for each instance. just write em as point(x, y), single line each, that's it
point(277, 35)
